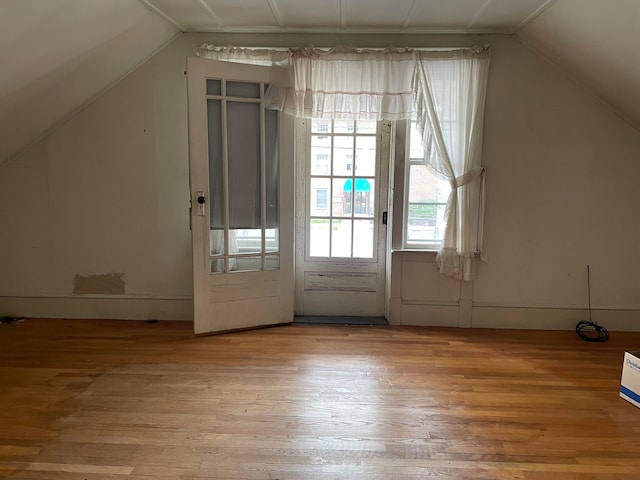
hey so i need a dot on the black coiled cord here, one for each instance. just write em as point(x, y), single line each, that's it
point(591, 331)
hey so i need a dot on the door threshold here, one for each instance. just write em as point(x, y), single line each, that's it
point(339, 320)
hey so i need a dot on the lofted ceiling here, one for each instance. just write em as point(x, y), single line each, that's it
point(57, 55)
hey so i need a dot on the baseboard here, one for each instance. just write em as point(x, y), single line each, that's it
point(490, 316)
point(118, 308)
point(535, 318)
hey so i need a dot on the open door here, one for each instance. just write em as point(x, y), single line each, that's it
point(241, 186)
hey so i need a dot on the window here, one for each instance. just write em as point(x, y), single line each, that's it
point(425, 198)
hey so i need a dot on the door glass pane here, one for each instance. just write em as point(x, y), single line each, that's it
point(272, 262)
point(364, 196)
point(247, 240)
point(343, 126)
point(320, 200)
point(365, 156)
point(363, 238)
point(216, 179)
point(217, 265)
point(366, 126)
point(214, 87)
point(272, 240)
point(343, 155)
point(320, 155)
point(342, 197)
point(341, 238)
point(271, 167)
point(319, 237)
point(216, 242)
point(243, 89)
point(321, 126)
point(248, 264)
point(243, 147)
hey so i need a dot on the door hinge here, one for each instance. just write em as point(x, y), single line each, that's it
point(384, 218)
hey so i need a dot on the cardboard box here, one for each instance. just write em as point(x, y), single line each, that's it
point(630, 383)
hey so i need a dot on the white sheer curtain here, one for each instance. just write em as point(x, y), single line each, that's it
point(450, 95)
point(444, 89)
point(345, 83)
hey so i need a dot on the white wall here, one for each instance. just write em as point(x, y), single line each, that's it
point(107, 193)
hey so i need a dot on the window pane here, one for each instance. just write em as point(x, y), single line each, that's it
point(243, 89)
point(319, 237)
point(243, 149)
point(343, 155)
point(366, 156)
point(341, 238)
point(320, 205)
point(425, 210)
point(363, 238)
point(415, 144)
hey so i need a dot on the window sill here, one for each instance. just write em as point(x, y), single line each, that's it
point(407, 254)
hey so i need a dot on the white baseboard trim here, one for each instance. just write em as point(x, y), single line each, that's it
point(118, 308)
point(536, 318)
point(432, 314)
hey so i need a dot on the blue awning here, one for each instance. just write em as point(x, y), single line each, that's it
point(362, 185)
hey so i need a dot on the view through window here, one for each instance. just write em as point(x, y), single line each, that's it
point(425, 199)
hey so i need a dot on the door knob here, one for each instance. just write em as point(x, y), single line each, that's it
point(201, 199)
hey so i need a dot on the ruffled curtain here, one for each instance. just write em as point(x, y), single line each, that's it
point(344, 83)
point(445, 90)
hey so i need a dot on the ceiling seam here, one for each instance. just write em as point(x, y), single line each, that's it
point(213, 15)
point(168, 18)
point(535, 14)
point(276, 14)
point(477, 16)
point(410, 14)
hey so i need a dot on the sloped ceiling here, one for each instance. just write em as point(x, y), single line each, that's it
point(597, 41)
point(56, 55)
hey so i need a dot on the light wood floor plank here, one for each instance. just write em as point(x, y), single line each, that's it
point(94, 399)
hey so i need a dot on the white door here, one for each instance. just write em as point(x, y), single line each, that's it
point(341, 249)
point(241, 174)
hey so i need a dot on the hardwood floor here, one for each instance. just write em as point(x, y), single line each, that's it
point(89, 400)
